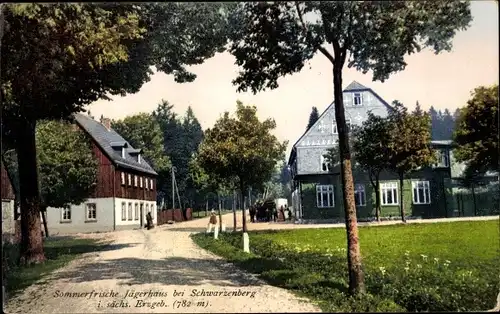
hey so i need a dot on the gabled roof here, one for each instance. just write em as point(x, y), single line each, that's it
point(354, 86)
point(107, 139)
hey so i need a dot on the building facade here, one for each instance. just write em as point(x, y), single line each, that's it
point(317, 189)
point(125, 190)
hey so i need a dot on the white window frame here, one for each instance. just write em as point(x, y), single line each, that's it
point(123, 178)
point(89, 209)
point(65, 212)
point(321, 202)
point(129, 179)
point(324, 164)
point(348, 124)
point(360, 99)
point(124, 211)
point(151, 184)
point(335, 130)
point(135, 180)
point(360, 195)
point(443, 158)
point(391, 187)
point(421, 185)
point(129, 212)
point(140, 182)
point(146, 183)
point(136, 211)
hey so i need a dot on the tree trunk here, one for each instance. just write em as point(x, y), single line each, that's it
point(31, 232)
point(220, 213)
point(377, 200)
point(356, 278)
point(244, 217)
point(375, 181)
point(206, 207)
point(234, 211)
point(474, 199)
point(401, 200)
point(44, 218)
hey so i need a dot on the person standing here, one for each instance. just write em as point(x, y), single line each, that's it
point(149, 221)
point(252, 213)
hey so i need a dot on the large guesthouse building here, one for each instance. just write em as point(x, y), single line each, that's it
point(435, 191)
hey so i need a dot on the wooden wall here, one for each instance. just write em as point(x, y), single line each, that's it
point(131, 191)
point(105, 173)
point(7, 190)
point(108, 177)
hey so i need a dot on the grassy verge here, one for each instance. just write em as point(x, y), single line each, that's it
point(419, 267)
point(58, 252)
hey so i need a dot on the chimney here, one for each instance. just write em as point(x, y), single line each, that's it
point(106, 122)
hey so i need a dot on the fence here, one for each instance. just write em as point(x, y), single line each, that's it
point(480, 200)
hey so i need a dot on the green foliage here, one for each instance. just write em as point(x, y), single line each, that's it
point(377, 35)
point(409, 141)
point(143, 131)
point(181, 138)
point(370, 144)
point(66, 163)
point(476, 136)
point(313, 117)
point(241, 147)
point(406, 270)
point(68, 168)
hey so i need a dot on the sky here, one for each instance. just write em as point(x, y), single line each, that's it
point(444, 81)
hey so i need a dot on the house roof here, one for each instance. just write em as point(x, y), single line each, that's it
point(355, 86)
point(107, 139)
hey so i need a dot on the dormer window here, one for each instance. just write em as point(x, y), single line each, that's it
point(357, 99)
point(136, 153)
point(120, 148)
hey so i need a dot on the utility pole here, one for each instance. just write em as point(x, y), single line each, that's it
point(173, 169)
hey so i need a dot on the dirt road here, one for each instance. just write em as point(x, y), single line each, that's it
point(160, 270)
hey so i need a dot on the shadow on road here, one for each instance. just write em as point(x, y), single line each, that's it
point(168, 271)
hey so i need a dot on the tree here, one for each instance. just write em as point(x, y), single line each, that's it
point(370, 145)
point(68, 167)
point(313, 117)
point(376, 35)
point(78, 53)
point(66, 164)
point(209, 182)
point(241, 147)
point(409, 146)
point(476, 136)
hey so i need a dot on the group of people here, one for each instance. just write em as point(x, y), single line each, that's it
point(262, 213)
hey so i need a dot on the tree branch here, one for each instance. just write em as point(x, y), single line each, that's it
point(309, 37)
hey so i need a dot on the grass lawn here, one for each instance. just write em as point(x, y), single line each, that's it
point(58, 251)
point(449, 266)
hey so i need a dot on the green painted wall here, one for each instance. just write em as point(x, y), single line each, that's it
point(440, 187)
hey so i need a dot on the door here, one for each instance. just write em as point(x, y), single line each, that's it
point(141, 212)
